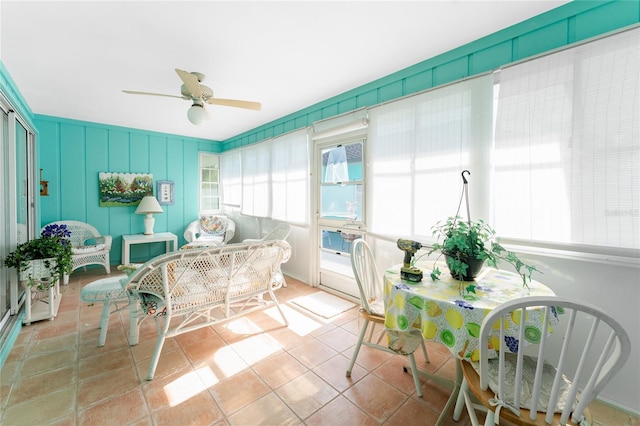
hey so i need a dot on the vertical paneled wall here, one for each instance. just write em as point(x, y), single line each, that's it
point(73, 153)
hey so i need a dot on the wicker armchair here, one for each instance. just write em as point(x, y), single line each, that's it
point(209, 231)
point(88, 246)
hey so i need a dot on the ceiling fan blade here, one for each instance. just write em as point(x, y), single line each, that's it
point(235, 103)
point(191, 81)
point(133, 92)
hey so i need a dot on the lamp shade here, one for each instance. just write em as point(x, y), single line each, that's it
point(149, 204)
point(197, 114)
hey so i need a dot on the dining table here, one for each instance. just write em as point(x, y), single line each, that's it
point(450, 312)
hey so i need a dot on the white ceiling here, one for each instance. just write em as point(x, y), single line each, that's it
point(72, 59)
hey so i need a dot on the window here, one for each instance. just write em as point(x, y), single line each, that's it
point(561, 171)
point(418, 148)
point(256, 180)
point(209, 183)
point(341, 182)
point(567, 146)
point(231, 178)
point(269, 179)
point(290, 178)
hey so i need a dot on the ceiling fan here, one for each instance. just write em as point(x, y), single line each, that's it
point(200, 95)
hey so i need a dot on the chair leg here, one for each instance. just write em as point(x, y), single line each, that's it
point(162, 334)
point(273, 297)
point(489, 421)
point(424, 351)
point(415, 374)
point(104, 322)
point(363, 330)
point(134, 322)
point(464, 388)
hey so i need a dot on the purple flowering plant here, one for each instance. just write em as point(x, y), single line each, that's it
point(54, 230)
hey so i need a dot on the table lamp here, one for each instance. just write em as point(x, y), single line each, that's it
point(149, 205)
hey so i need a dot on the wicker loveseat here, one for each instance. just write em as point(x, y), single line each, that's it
point(88, 246)
point(190, 289)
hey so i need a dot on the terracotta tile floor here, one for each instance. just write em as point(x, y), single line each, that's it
point(251, 371)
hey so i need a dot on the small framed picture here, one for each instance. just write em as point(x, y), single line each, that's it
point(165, 192)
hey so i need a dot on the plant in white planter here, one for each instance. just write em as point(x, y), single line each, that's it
point(45, 260)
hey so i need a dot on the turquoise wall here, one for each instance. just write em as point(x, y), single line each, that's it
point(72, 153)
point(567, 24)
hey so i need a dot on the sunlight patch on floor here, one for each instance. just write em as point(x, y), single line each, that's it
point(273, 313)
point(243, 326)
point(226, 362)
point(256, 348)
point(300, 323)
point(185, 387)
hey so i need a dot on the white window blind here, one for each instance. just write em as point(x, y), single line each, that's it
point(256, 180)
point(290, 178)
point(231, 171)
point(567, 146)
point(418, 148)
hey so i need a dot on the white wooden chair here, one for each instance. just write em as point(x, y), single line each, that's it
point(372, 306)
point(530, 385)
point(88, 245)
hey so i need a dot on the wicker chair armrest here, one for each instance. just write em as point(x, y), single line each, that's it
point(106, 240)
point(230, 230)
point(251, 241)
point(192, 232)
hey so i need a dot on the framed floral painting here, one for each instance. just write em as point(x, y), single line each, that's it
point(124, 189)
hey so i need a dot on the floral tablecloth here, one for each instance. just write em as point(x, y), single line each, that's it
point(442, 312)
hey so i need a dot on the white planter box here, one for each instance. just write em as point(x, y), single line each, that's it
point(40, 305)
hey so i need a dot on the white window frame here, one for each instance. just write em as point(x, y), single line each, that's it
point(204, 197)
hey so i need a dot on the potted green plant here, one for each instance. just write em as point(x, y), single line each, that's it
point(43, 261)
point(467, 245)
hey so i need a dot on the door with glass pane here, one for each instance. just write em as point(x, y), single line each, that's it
point(340, 211)
point(17, 218)
point(5, 295)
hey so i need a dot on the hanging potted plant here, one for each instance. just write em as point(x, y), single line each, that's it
point(468, 245)
point(45, 260)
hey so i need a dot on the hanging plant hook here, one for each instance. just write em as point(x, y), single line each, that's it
point(464, 179)
point(466, 193)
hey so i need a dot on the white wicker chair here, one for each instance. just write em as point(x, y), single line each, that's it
point(195, 235)
point(89, 247)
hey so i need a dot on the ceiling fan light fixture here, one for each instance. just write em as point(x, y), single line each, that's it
point(197, 114)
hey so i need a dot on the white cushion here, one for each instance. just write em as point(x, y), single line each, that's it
point(377, 307)
point(204, 241)
point(529, 370)
point(87, 249)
